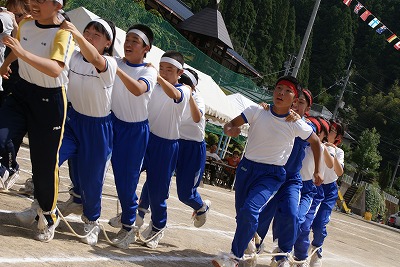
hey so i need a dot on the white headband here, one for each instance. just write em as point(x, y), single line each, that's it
point(141, 35)
point(106, 26)
point(191, 76)
point(172, 61)
point(60, 1)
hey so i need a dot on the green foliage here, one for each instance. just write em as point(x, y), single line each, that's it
point(374, 200)
point(366, 155)
point(212, 139)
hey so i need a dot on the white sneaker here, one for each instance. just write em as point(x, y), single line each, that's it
point(69, 206)
point(151, 237)
point(200, 216)
point(250, 254)
point(91, 230)
point(12, 178)
point(281, 263)
point(225, 260)
point(4, 177)
point(124, 238)
point(45, 233)
point(316, 259)
point(116, 221)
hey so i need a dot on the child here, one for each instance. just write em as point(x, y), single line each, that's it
point(283, 207)
point(328, 191)
point(309, 190)
point(38, 103)
point(88, 133)
point(166, 107)
point(192, 152)
point(261, 171)
point(131, 95)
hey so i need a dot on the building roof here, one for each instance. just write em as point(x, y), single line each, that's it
point(240, 59)
point(177, 6)
point(208, 22)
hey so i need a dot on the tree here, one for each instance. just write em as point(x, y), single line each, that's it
point(366, 155)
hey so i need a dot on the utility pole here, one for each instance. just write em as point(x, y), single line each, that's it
point(394, 173)
point(348, 73)
point(305, 39)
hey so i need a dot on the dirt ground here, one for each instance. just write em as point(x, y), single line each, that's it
point(351, 241)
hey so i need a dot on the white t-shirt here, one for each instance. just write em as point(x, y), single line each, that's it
point(165, 114)
point(125, 105)
point(88, 90)
point(330, 175)
point(212, 155)
point(47, 41)
point(8, 26)
point(271, 138)
point(308, 168)
point(190, 130)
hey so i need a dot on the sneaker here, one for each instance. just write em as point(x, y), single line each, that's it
point(3, 176)
point(124, 238)
point(151, 237)
point(303, 264)
point(46, 225)
point(250, 254)
point(116, 221)
point(200, 216)
point(316, 258)
point(225, 260)
point(28, 216)
point(12, 178)
point(280, 263)
point(91, 231)
point(28, 187)
point(70, 206)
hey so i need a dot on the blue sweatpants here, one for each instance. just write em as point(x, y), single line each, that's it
point(88, 141)
point(324, 214)
point(129, 148)
point(303, 242)
point(283, 208)
point(308, 192)
point(189, 172)
point(255, 184)
point(160, 163)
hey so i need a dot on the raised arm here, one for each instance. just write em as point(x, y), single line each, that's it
point(169, 89)
point(134, 86)
point(337, 165)
point(48, 66)
point(232, 128)
point(194, 109)
point(328, 158)
point(87, 49)
point(5, 68)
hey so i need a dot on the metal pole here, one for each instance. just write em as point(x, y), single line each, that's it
point(394, 173)
point(305, 39)
point(348, 73)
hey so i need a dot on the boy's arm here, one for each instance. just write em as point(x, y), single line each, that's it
point(134, 86)
point(87, 49)
point(169, 89)
point(47, 66)
point(316, 149)
point(328, 158)
point(232, 128)
point(5, 68)
point(337, 166)
point(194, 110)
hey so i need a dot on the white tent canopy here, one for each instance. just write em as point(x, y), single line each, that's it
point(217, 103)
point(240, 101)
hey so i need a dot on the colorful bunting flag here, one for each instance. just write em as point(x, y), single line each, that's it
point(397, 46)
point(381, 29)
point(391, 38)
point(373, 23)
point(347, 2)
point(358, 8)
point(365, 15)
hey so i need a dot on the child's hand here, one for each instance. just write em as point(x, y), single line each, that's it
point(293, 116)
point(68, 26)
point(5, 71)
point(14, 44)
point(264, 105)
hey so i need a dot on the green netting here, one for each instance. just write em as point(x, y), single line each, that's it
point(125, 13)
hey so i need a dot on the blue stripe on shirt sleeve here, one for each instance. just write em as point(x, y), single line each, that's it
point(180, 100)
point(244, 117)
point(147, 83)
